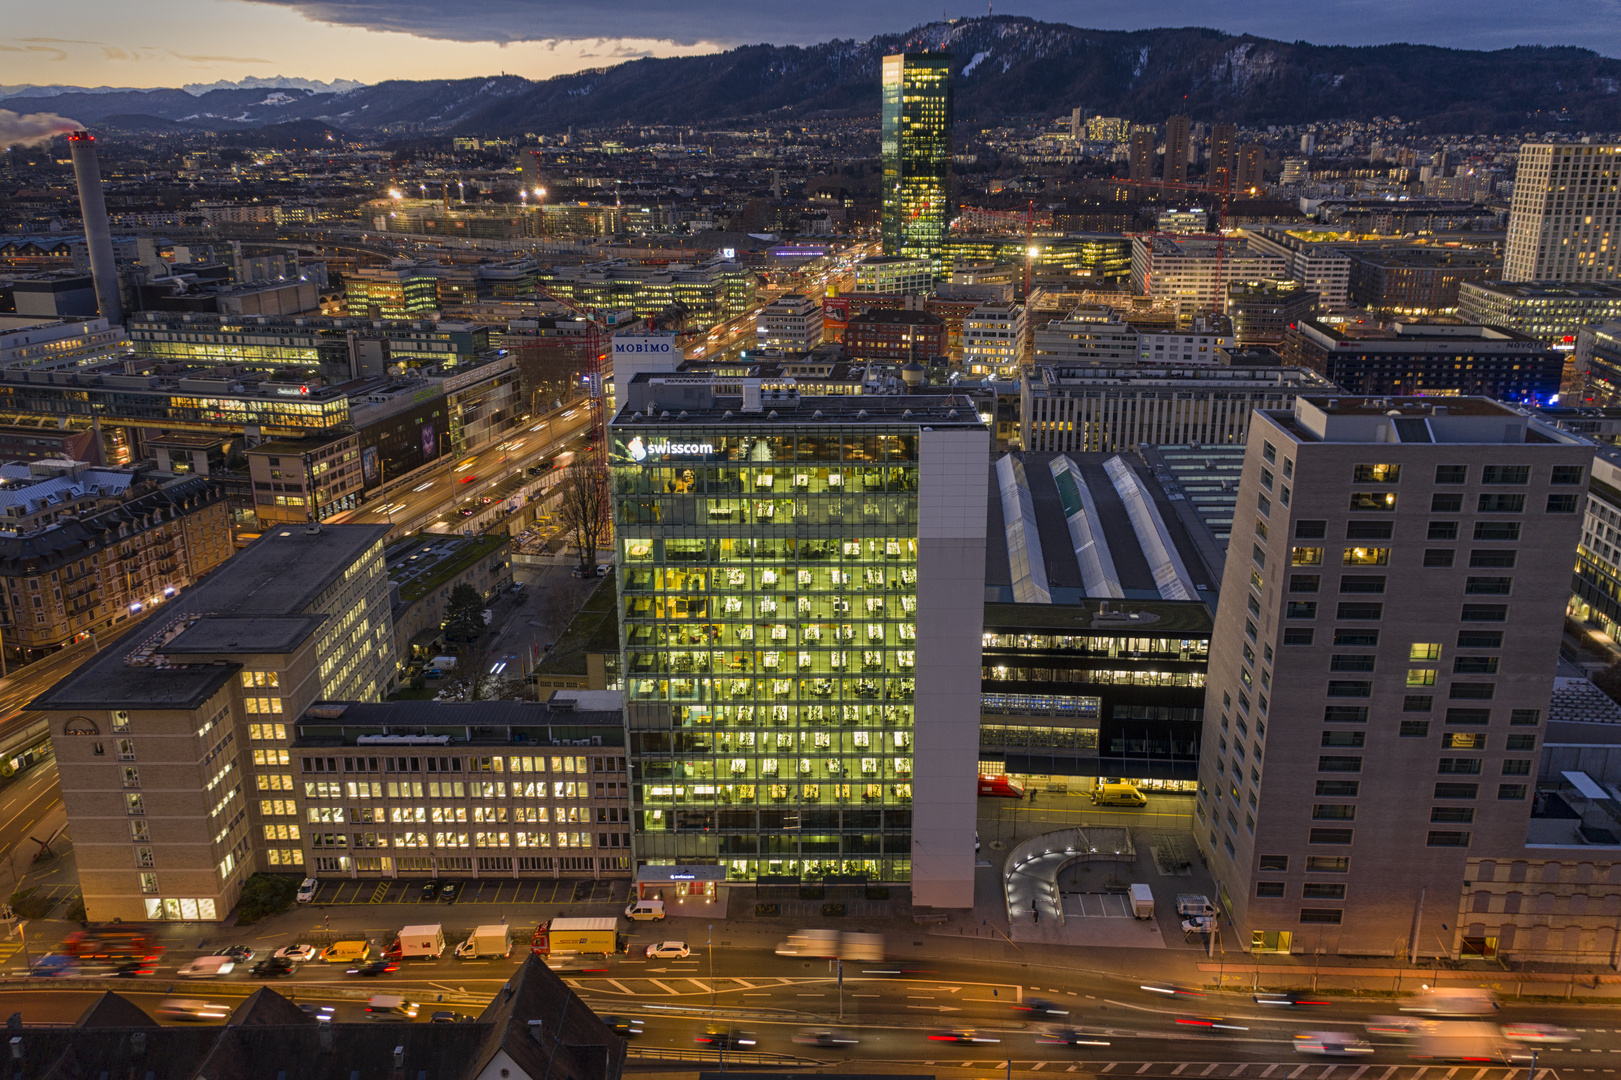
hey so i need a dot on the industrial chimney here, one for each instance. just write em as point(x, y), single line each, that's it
point(98, 235)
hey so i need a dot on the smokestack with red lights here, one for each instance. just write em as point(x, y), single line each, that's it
point(98, 236)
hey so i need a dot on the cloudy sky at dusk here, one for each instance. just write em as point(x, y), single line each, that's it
point(148, 43)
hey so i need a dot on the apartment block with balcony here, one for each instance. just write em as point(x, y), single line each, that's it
point(113, 557)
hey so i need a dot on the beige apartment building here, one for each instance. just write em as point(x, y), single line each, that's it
point(1382, 665)
point(174, 742)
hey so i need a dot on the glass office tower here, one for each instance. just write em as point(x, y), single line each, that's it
point(916, 153)
point(769, 603)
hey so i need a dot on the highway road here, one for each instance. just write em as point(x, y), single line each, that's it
point(439, 494)
point(899, 1020)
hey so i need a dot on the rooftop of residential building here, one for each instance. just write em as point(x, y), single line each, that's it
point(1456, 420)
point(274, 578)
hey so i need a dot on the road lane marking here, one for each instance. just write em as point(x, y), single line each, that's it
point(1178, 1070)
point(1298, 1071)
point(666, 989)
point(1208, 1069)
point(1144, 1067)
point(1270, 1069)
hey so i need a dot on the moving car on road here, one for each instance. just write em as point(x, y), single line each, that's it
point(668, 948)
point(273, 968)
point(191, 1009)
point(375, 967)
point(1290, 999)
point(726, 1039)
point(1544, 1034)
point(1331, 1044)
point(240, 954)
point(828, 1037)
point(300, 953)
point(961, 1035)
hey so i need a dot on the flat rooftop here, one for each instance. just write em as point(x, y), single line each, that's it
point(1415, 333)
point(498, 723)
point(665, 400)
point(1457, 420)
point(1551, 290)
point(271, 582)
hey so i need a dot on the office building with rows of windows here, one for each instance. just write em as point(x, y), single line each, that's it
point(1381, 664)
point(916, 147)
point(174, 741)
point(800, 608)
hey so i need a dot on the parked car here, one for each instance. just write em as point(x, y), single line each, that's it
point(449, 891)
point(306, 891)
point(430, 889)
point(668, 948)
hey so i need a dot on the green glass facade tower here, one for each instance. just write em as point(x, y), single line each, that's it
point(916, 153)
point(774, 587)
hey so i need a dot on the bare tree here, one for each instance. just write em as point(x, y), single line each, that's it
point(582, 508)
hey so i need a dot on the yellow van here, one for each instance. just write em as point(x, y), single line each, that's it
point(1112, 794)
point(346, 952)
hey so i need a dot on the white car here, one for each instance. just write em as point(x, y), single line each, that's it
point(301, 953)
point(306, 890)
point(1331, 1044)
point(669, 948)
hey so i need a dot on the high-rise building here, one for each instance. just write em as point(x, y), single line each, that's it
point(175, 741)
point(1178, 134)
point(1140, 151)
point(1381, 665)
point(1223, 156)
point(917, 120)
point(1562, 219)
point(1251, 166)
point(801, 598)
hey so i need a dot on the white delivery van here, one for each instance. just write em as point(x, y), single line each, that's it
point(485, 942)
point(1142, 902)
point(645, 910)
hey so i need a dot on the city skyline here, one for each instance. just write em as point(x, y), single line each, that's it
point(197, 42)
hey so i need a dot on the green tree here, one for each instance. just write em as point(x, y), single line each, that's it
point(464, 612)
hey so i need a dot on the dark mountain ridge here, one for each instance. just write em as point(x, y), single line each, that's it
point(1005, 66)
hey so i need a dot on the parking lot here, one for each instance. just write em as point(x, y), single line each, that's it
point(472, 891)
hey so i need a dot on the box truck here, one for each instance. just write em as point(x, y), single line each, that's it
point(418, 941)
point(485, 942)
point(1142, 902)
point(565, 936)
